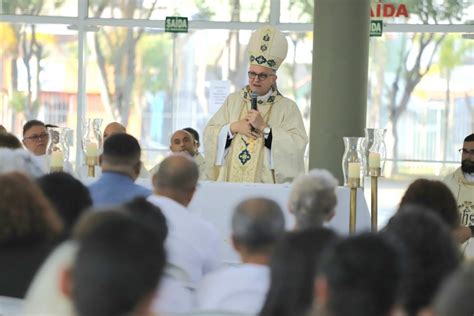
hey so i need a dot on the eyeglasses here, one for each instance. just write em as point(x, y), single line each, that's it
point(37, 138)
point(261, 76)
point(466, 151)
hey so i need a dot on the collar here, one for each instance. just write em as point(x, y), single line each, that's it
point(271, 97)
point(116, 176)
point(469, 176)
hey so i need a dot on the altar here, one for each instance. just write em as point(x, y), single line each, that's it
point(215, 202)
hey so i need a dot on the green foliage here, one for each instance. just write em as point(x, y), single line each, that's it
point(452, 52)
point(18, 101)
point(155, 52)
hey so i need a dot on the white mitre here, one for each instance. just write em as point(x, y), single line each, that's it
point(267, 47)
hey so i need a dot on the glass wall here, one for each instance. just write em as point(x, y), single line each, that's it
point(420, 74)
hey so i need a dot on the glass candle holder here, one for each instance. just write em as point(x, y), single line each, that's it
point(352, 160)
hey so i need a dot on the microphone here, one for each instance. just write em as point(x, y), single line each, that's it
point(253, 104)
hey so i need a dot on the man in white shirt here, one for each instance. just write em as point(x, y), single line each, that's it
point(256, 225)
point(193, 245)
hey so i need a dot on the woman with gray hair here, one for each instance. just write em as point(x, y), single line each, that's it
point(313, 198)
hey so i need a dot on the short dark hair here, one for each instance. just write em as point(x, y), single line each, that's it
point(32, 123)
point(193, 132)
point(177, 173)
point(362, 273)
point(149, 214)
point(121, 149)
point(293, 269)
point(469, 138)
point(8, 140)
point(118, 264)
point(257, 224)
point(434, 196)
point(429, 251)
point(67, 194)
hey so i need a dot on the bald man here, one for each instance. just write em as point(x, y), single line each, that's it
point(117, 128)
point(193, 245)
point(183, 141)
point(114, 128)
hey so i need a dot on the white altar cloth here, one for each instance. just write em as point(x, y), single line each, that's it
point(215, 202)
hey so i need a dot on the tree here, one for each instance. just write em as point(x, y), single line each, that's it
point(116, 51)
point(30, 50)
point(451, 55)
point(412, 68)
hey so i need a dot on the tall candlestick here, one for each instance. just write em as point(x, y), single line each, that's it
point(374, 160)
point(354, 170)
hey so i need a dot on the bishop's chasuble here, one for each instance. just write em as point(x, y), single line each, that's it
point(248, 160)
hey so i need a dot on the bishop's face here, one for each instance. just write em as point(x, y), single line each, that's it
point(467, 158)
point(261, 79)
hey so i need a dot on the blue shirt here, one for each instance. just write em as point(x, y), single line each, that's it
point(114, 188)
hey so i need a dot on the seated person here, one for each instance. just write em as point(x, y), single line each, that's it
point(35, 140)
point(8, 140)
point(120, 163)
point(257, 224)
point(117, 128)
point(183, 142)
point(198, 157)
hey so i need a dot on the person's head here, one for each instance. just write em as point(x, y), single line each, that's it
point(114, 128)
point(313, 198)
point(35, 137)
point(261, 79)
point(467, 158)
point(8, 140)
point(358, 276)
point(121, 154)
point(429, 252)
point(455, 295)
point(293, 269)
point(257, 224)
point(182, 141)
point(434, 196)
point(68, 195)
point(195, 135)
point(176, 178)
point(148, 213)
point(19, 160)
point(25, 213)
point(117, 268)
point(2, 129)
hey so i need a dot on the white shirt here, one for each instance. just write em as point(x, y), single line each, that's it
point(241, 288)
point(173, 297)
point(193, 244)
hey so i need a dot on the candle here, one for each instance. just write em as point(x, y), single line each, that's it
point(57, 159)
point(374, 160)
point(354, 170)
point(91, 149)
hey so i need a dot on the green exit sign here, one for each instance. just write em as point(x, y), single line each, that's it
point(376, 28)
point(176, 24)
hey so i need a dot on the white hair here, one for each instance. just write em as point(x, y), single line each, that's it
point(313, 197)
point(19, 160)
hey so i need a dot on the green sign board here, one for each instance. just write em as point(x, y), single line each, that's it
point(176, 24)
point(376, 28)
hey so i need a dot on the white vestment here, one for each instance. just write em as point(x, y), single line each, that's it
point(247, 160)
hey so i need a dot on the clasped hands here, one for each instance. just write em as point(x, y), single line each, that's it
point(251, 126)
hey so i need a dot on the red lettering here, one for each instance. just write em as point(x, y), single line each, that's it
point(371, 13)
point(402, 11)
point(388, 10)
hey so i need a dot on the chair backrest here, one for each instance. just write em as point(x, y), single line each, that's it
point(10, 306)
